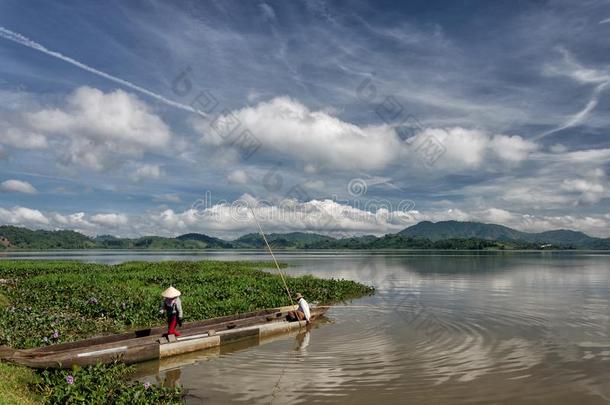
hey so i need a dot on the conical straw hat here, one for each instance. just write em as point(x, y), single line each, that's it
point(171, 292)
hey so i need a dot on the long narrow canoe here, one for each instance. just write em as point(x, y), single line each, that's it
point(150, 344)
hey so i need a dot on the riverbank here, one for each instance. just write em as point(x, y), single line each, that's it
point(47, 302)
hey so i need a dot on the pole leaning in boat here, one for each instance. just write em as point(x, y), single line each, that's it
point(272, 255)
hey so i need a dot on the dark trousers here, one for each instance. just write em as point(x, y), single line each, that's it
point(297, 315)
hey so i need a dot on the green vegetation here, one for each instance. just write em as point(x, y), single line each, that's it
point(561, 238)
point(46, 302)
point(294, 240)
point(22, 238)
point(397, 241)
point(53, 302)
point(26, 239)
point(15, 385)
point(101, 384)
point(425, 235)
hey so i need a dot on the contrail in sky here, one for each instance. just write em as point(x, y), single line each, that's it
point(579, 116)
point(22, 40)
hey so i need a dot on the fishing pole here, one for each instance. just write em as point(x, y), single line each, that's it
point(272, 255)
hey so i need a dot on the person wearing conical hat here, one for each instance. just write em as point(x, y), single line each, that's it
point(302, 312)
point(172, 307)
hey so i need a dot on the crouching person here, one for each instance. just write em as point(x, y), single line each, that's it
point(172, 307)
point(302, 313)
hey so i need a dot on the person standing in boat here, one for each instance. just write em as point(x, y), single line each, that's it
point(172, 307)
point(302, 312)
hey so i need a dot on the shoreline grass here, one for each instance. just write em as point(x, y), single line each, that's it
point(48, 302)
point(16, 385)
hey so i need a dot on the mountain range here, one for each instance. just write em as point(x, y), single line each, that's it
point(424, 235)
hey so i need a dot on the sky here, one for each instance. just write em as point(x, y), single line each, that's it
point(344, 118)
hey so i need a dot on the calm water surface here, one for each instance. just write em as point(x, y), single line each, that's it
point(443, 327)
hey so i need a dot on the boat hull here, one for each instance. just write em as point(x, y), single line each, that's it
point(151, 344)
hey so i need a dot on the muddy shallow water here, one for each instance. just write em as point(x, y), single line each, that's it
point(443, 327)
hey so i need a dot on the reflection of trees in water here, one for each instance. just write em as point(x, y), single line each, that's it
point(449, 321)
point(458, 262)
point(377, 268)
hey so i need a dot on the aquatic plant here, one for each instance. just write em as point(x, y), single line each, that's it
point(51, 302)
point(101, 384)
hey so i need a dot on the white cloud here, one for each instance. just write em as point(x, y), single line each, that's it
point(147, 171)
point(100, 128)
point(17, 186)
point(76, 221)
point(24, 217)
point(511, 148)
point(326, 216)
point(571, 68)
point(558, 148)
point(173, 198)
point(592, 189)
point(238, 177)
point(22, 139)
point(319, 140)
point(267, 11)
point(498, 216)
point(322, 216)
point(314, 184)
point(110, 220)
point(285, 126)
point(472, 149)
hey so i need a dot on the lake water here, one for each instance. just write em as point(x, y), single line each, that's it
point(443, 327)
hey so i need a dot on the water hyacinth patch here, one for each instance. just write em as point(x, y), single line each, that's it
point(53, 302)
point(102, 384)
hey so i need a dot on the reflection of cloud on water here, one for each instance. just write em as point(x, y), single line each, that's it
point(496, 332)
point(475, 358)
point(320, 364)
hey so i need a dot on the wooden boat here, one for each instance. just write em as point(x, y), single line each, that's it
point(150, 344)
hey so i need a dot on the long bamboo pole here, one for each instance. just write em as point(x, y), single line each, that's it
point(272, 255)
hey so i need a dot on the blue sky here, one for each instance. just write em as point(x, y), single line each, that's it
point(105, 128)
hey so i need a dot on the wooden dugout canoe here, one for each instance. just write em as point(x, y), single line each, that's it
point(150, 344)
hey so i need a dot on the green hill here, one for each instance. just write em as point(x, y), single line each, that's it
point(425, 235)
point(207, 241)
point(436, 231)
point(295, 240)
point(455, 229)
point(23, 238)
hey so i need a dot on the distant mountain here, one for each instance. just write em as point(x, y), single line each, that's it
point(397, 241)
point(436, 231)
point(454, 229)
point(209, 241)
point(23, 238)
point(564, 237)
point(425, 235)
point(295, 240)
